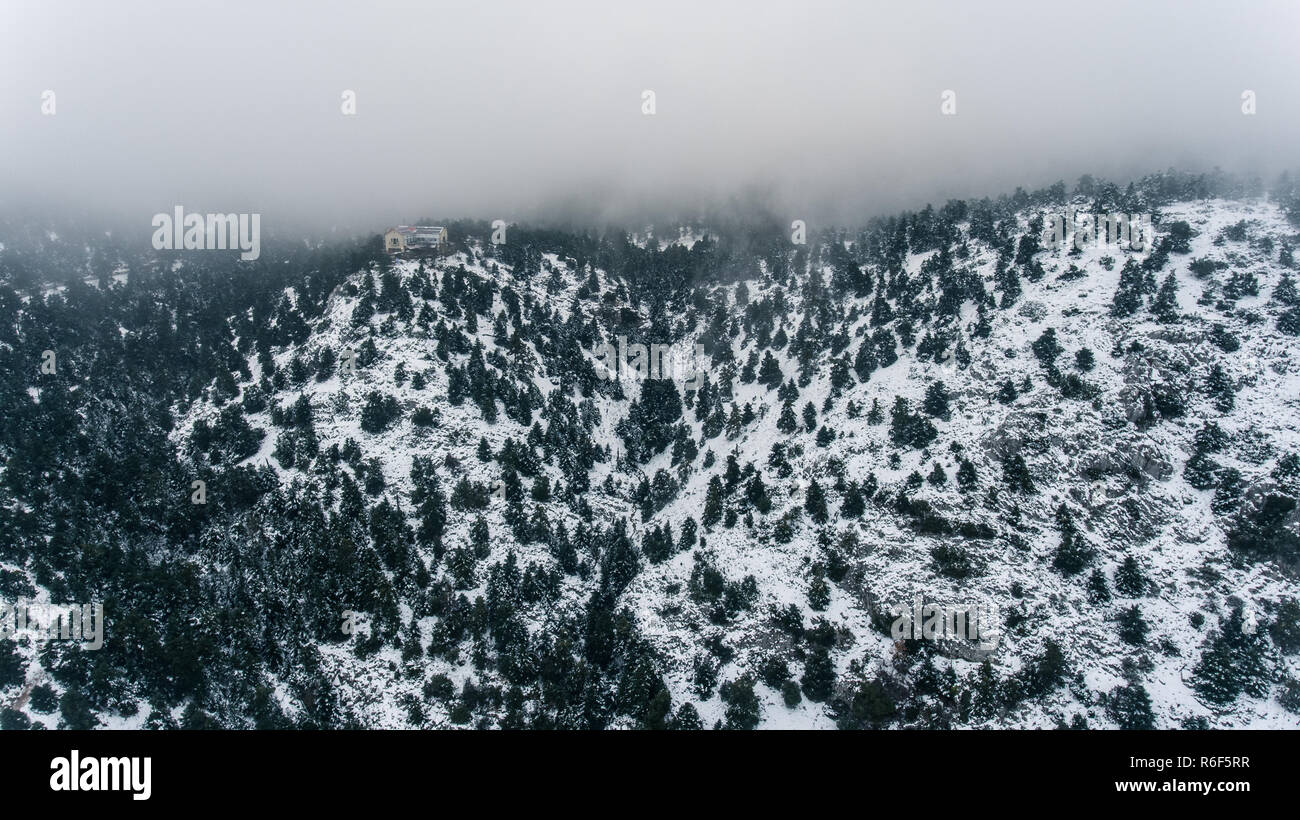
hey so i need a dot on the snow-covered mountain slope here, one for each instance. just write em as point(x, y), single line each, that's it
point(1110, 458)
point(427, 500)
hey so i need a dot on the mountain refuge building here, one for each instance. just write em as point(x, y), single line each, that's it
point(414, 237)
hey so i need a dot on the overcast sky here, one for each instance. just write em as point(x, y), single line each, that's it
point(527, 110)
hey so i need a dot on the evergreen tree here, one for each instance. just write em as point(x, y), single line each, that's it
point(688, 535)
point(657, 545)
point(1221, 387)
point(875, 415)
point(1015, 473)
point(713, 503)
point(1132, 626)
point(1285, 292)
point(854, 504)
point(1289, 322)
point(744, 711)
point(937, 476)
point(756, 494)
point(819, 592)
point(1072, 553)
point(1235, 661)
point(1201, 471)
point(1047, 349)
point(815, 502)
point(1129, 579)
point(787, 423)
point(1165, 306)
point(1098, 589)
point(936, 400)
point(1007, 392)
point(769, 373)
point(967, 479)
point(818, 679)
point(864, 363)
point(686, 718)
point(1128, 298)
point(810, 416)
point(1285, 628)
point(1130, 707)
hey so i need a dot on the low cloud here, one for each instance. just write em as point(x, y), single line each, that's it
point(518, 110)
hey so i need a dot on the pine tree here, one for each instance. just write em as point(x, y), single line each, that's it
point(815, 502)
point(810, 416)
point(1132, 626)
point(854, 504)
point(1046, 348)
point(1285, 291)
point(1072, 553)
point(1098, 589)
point(1129, 578)
point(937, 476)
point(967, 479)
point(1046, 672)
point(1165, 307)
point(841, 376)
point(875, 415)
point(686, 718)
point(749, 373)
point(1285, 628)
point(1016, 474)
point(713, 503)
point(1201, 471)
point(1130, 707)
point(12, 666)
point(731, 476)
point(1235, 661)
point(819, 592)
point(935, 403)
point(657, 545)
point(1008, 281)
point(818, 679)
point(744, 710)
point(687, 538)
point(1289, 322)
point(769, 373)
point(1128, 298)
point(733, 422)
point(756, 494)
point(790, 694)
point(864, 363)
point(788, 392)
point(1007, 393)
point(1227, 495)
point(787, 423)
